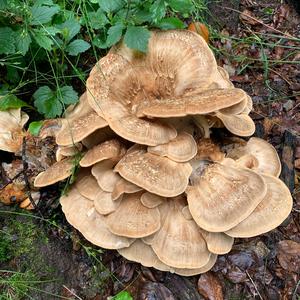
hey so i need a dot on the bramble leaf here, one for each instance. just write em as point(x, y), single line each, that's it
point(77, 46)
point(137, 37)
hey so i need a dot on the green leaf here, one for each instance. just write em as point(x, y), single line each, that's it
point(137, 37)
point(35, 127)
point(111, 5)
point(170, 23)
point(46, 102)
point(99, 43)
point(7, 42)
point(67, 95)
point(97, 19)
point(23, 41)
point(10, 101)
point(124, 295)
point(114, 34)
point(182, 6)
point(4, 4)
point(42, 14)
point(158, 10)
point(77, 46)
point(69, 29)
point(42, 39)
point(50, 30)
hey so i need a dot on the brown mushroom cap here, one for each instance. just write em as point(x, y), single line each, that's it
point(181, 149)
point(156, 174)
point(151, 200)
point(65, 151)
point(105, 176)
point(81, 214)
point(88, 187)
point(111, 149)
point(179, 243)
point(241, 125)
point(123, 186)
point(57, 172)
point(104, 204)
point(236, 108)
point(265, 153)
point(270, 212)
point(223, 196)
point(132, 219)
point(218, 242)
point(99, 136)
point(79, 123)
point(208, 101)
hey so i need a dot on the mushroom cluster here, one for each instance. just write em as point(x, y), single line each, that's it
point(153, 182)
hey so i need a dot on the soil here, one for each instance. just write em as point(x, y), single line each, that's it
point(265, 267)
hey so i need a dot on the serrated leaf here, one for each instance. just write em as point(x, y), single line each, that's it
point(23, 41)
point(46, 102)
point(50, 30)
point(97, 19)
point(42, 39)
point(43, 2)
point(42, 14)
point(69, 29)
point(7, 42)
point(100, 43)
point(67, 95)
point(111, 5)
point(10, 101)
point(137, 37)
point(158, 10)
point(77, 46)
point(114, 34)
point(35, 127)
point(170, 23)
point(124, 295)
point(182, 6)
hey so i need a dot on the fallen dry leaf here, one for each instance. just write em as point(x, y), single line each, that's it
point(248, 17)
point(289, 255)
point(209, 287)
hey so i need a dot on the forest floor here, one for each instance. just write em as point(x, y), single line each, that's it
point(42, 257)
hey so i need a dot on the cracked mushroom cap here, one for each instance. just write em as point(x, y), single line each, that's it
point(57, 172)
point(132, 219)
point(179, 243)
point(79, 123)
point(223, 196)
point(265, 154)
point(156, 174)
point(81, 214)
point(270, 212)
point(111, 149)
point(181, 149)
point(11, 129)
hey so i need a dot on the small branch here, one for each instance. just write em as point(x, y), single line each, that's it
point(71, 292)
point(258, 293)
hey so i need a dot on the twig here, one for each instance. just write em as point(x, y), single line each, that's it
point(258, 21)
point(258, 293)
point(72, 293)
point(25, 167)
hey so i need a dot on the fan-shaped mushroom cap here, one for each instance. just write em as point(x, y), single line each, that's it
point(123, 186)
point(132, 219)
point(105, 176)
point(270, 212)
point(88, 187)
point(111, 149)
point(104, 204)
point(57, 172)
point(241, 125)
point(179, 243)
point(265, 153)
point(247, 161)
point(208, 101)
point(65, 151)
point(191, 272)
point(218, 242)
point(224, 196)
point(79, 123)
point(156, 174)
point(11, 129)
point(181, 149)
point(151, 200)
point(81, 214)
point(99, 136)
point(143, 254)
point(236, 108)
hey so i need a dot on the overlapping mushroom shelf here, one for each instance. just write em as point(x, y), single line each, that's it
point(153, 182)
